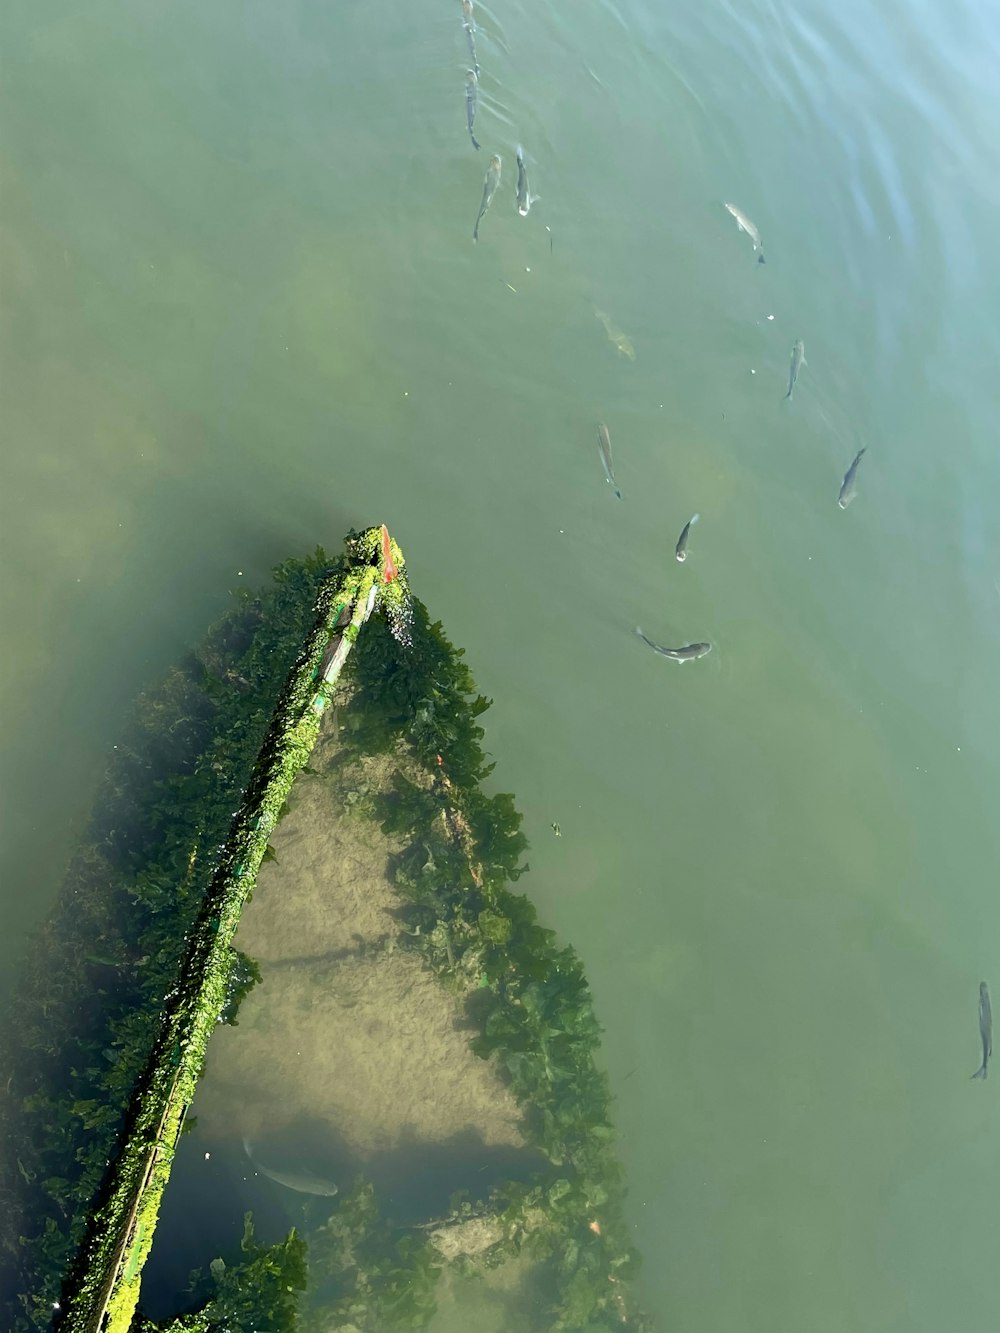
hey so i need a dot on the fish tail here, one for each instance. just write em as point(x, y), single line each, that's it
point(760, 257)
point(475, 141)
point(789, 393)
point(519, 154)
point(981, 1071)
point(618, 493)
point(694, 518)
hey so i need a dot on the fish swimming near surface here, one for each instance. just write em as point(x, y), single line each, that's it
point(797, 362)
point(524, 196)
point(469, 24)
point(690, 653)
point(303, 1182)
point(604, 448)
point(847, 486)
point(489, 190)
point(680, 550)
point(471, 93)
point(744, 224)
point(985, 1028)
point(615, 336)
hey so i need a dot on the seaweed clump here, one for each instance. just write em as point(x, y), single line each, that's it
point(88, 1027)
point(261, 1290)
point(79, 1031)
point(526, 995)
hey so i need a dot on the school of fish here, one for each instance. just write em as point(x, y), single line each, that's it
point(745, 226)
point(523, 200)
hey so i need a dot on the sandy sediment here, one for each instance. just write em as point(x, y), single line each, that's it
point(348, 1035)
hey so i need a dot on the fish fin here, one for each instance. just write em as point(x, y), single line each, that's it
point(760, 259)
point(981, 1071)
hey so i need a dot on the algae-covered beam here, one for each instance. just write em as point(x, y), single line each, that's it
point(102, 1288)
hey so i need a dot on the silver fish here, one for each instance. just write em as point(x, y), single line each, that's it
point(604, 448)
point(985, 1028)
point(524, 196)
point(689, 654)
point(303, 1182)
point(469, 24)
point(798, 361)
point(471, 90)
point(744, 224)
point(489, 190)
point(615, 335)
point(847, 488)
point(680, 550)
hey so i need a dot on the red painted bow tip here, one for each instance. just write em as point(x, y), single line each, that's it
point(389, 570)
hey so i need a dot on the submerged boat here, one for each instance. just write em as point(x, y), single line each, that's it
point(409, 1100)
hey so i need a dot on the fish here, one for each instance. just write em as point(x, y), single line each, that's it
point(680, 550)
point(524, 197)
point(744, 224)
point(471, 87)
point(615, 336)
point(489, 190)
point(604, 448)
point(847, 488)
point(690, 653)
point(985, 1028)
point(469, 24)
point(797, 362)
point(303, 1182)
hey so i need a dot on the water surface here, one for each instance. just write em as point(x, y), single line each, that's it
point(241, 310)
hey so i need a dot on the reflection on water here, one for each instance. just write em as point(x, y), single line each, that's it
point(242, 310)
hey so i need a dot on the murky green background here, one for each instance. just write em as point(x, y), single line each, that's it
point(241, 310)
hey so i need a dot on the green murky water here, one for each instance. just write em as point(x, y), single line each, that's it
point(240, 310)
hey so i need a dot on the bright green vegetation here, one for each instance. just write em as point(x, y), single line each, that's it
point(259, 1291)
point(102, 1074)
point(88, 1009)
point(107, 1036)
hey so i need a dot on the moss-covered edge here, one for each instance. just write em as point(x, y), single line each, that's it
point(102, 1288)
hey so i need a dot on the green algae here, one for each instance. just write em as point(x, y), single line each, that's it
point(525, 996)
point(106, 1040)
